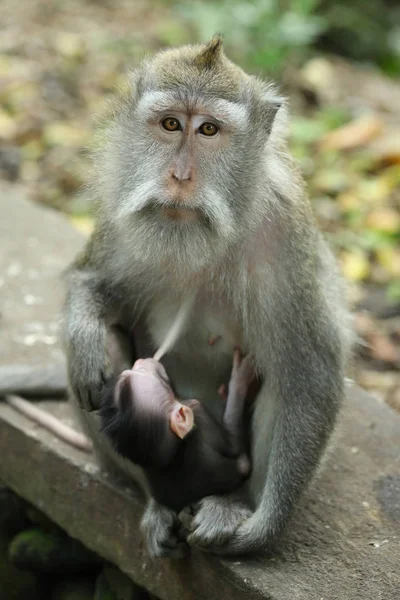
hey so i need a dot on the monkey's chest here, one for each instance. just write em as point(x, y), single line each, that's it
point(201, 360)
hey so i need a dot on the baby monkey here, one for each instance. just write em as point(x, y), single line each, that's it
point(185, 453)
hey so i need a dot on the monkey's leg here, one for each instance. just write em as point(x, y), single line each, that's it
point(160, 527)
point(295, 412)
point(233, 420)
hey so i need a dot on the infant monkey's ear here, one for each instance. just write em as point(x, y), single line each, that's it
point(181, 420)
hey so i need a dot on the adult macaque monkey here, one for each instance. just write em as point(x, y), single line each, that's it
point(195, 190)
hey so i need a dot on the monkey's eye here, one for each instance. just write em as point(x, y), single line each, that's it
point(170, 124)
point(208, 129)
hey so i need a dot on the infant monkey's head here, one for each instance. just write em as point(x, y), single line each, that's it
point(144, 420)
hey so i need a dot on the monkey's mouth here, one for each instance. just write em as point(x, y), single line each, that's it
point(181, 214)
point(174, 212)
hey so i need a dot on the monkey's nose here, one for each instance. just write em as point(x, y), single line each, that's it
point(138, 364)
point(181, 173)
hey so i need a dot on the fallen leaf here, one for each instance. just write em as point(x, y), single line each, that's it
point(355, 265)
point(389, 258)
point(64, 134)
point(374, 190)
point(82, 223)
point(354, 134)
point(383, 349)
point(8, 126)
point(349, 201)
point(387, 147)
point(363, 324)
point(393, 398)
point(331, 181)
point(69, 44)
point(384, 219)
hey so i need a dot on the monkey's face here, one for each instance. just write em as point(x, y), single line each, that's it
point(186, 168)
point(187, 150)
point(150, 387)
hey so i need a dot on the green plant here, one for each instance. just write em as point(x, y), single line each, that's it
point(259, 34)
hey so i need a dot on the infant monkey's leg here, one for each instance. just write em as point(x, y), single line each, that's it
point(233, 420)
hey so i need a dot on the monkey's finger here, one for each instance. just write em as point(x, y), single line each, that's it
point(246, 369)
point(83, 398)
point(90, 397)
point(222, 393)
point(186, 517)
point(175, 549)
point(236, 359)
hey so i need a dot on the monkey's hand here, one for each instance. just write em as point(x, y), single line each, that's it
point(242, 373)
point(88, 364)
point(160, 527)
point(215, 522)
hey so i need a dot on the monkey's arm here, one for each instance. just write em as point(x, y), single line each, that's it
point(233, 419)
point(85, 333)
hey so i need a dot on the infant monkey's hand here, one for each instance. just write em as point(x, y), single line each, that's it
point(242, 376)
point(242, 373)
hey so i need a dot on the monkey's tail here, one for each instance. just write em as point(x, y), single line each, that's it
point(176, 327)
point(49, 422)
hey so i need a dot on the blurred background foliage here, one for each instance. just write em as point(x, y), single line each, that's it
point(338, 62)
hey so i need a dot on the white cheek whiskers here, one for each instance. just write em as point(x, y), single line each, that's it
point(209, 202)
point(138, 199)
point(218, 211)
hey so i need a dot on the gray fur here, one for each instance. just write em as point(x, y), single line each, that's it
point(265, 281)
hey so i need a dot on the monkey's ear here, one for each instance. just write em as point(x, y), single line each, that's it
point(269, 110)
point(181, 420)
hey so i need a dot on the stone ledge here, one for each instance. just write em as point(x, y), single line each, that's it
point(69, 488)
point(343, 543)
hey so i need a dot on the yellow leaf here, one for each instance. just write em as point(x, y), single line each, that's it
point(69, 44)
point(354, 134)
point(374, 190)
point(389, 258)
point(30, 171)
point(349, 201)
point(8, 126)
point(32, 150)
point(330, 181)
point(83, 224)
point(6, 65)
point(355, 265)
point(387, 147)
point(384, 219)
point(64, 134)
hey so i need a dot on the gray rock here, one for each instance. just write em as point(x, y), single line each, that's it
point(16, 584)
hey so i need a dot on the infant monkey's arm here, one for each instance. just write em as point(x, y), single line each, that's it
point(233, 419)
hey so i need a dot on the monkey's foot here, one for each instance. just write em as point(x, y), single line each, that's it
point(215, 522)
point(160, 527)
